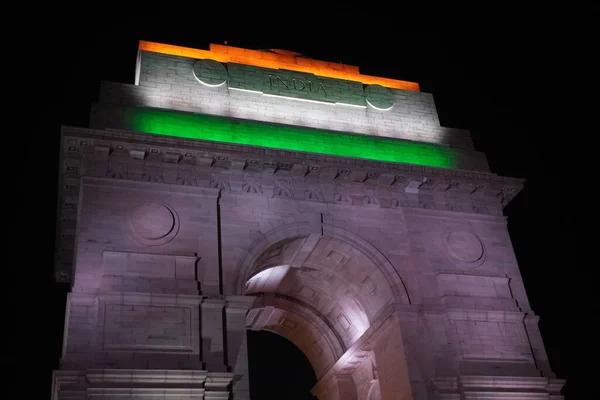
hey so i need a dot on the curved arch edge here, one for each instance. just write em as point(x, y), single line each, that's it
point(297, 230)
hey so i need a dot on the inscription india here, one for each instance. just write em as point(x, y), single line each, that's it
point(276, 82)
point(295, 84)
point(292, 84)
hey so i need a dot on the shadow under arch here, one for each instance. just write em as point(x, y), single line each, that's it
point(284, 372)
point(316, 329)
point(300, 230)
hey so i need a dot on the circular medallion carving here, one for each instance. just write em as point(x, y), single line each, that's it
point(379, 97)
point(153, 224)
point(210, 72)
point(464, 248)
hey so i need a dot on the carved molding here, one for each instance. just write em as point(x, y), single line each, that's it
point(136, 383)
point(497, 387)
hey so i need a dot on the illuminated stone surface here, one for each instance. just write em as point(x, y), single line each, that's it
point(202, 127)
point(464, 246)
point(210, 72)
point(168, 82)
point(276, 59)
point(152, 221)
point(379, 97)
point(396, 278)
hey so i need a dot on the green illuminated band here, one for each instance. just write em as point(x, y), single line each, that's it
point(252, 133)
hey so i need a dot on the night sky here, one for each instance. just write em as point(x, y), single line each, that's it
point(495, 86)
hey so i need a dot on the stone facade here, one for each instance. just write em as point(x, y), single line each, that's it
point(396, 281)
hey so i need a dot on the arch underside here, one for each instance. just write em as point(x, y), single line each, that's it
point(303, 328)
point(320, 291)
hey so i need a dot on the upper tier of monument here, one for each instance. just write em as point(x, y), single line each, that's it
point(281, 100)
point(278, 59)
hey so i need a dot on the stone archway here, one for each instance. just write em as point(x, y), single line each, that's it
point(308, 235)
point(327, 292)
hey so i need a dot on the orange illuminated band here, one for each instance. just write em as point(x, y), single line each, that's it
point(256, 58)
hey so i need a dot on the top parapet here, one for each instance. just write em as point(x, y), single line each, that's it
point(278, 60)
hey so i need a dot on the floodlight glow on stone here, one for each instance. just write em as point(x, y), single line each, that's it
point(210, 73)
point(379, 97)
point(226, 54)
point(245, 90)
point(301, 99)
point(291, 138)
point(378, 108)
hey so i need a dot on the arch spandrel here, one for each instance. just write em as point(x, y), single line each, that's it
point(279, 254)
point(301, 231)
point(336, 279)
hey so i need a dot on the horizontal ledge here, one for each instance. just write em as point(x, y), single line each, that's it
point(149, 186)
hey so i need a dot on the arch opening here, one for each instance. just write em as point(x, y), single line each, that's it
point(278, 369)
point(330, 276)
point(322, 292)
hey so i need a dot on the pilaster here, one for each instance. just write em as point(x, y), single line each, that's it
point(212, 331)
point(237, 346)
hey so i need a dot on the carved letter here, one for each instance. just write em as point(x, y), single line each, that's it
point(321, 87)
point(297, 83)
point(282, 82)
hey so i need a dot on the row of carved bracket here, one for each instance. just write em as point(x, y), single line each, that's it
point(406, 177)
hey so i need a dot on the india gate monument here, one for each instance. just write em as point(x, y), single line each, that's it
point(228, 190)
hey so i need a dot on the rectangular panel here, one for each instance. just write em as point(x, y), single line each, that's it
point(480, 292)
point(131, 264)
point(147, 328)
point(493, 340)
point(148, 265)
point(473, 285)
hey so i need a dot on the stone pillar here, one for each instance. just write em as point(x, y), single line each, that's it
point(237, 349)
point(537, 345)
point(346, 387)
point(211, 328)
point(390, 355)
point(382, 345)
point(337, 387)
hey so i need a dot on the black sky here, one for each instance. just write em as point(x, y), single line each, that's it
point(501, 88)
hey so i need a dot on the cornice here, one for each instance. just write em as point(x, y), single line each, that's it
point(203, 153)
